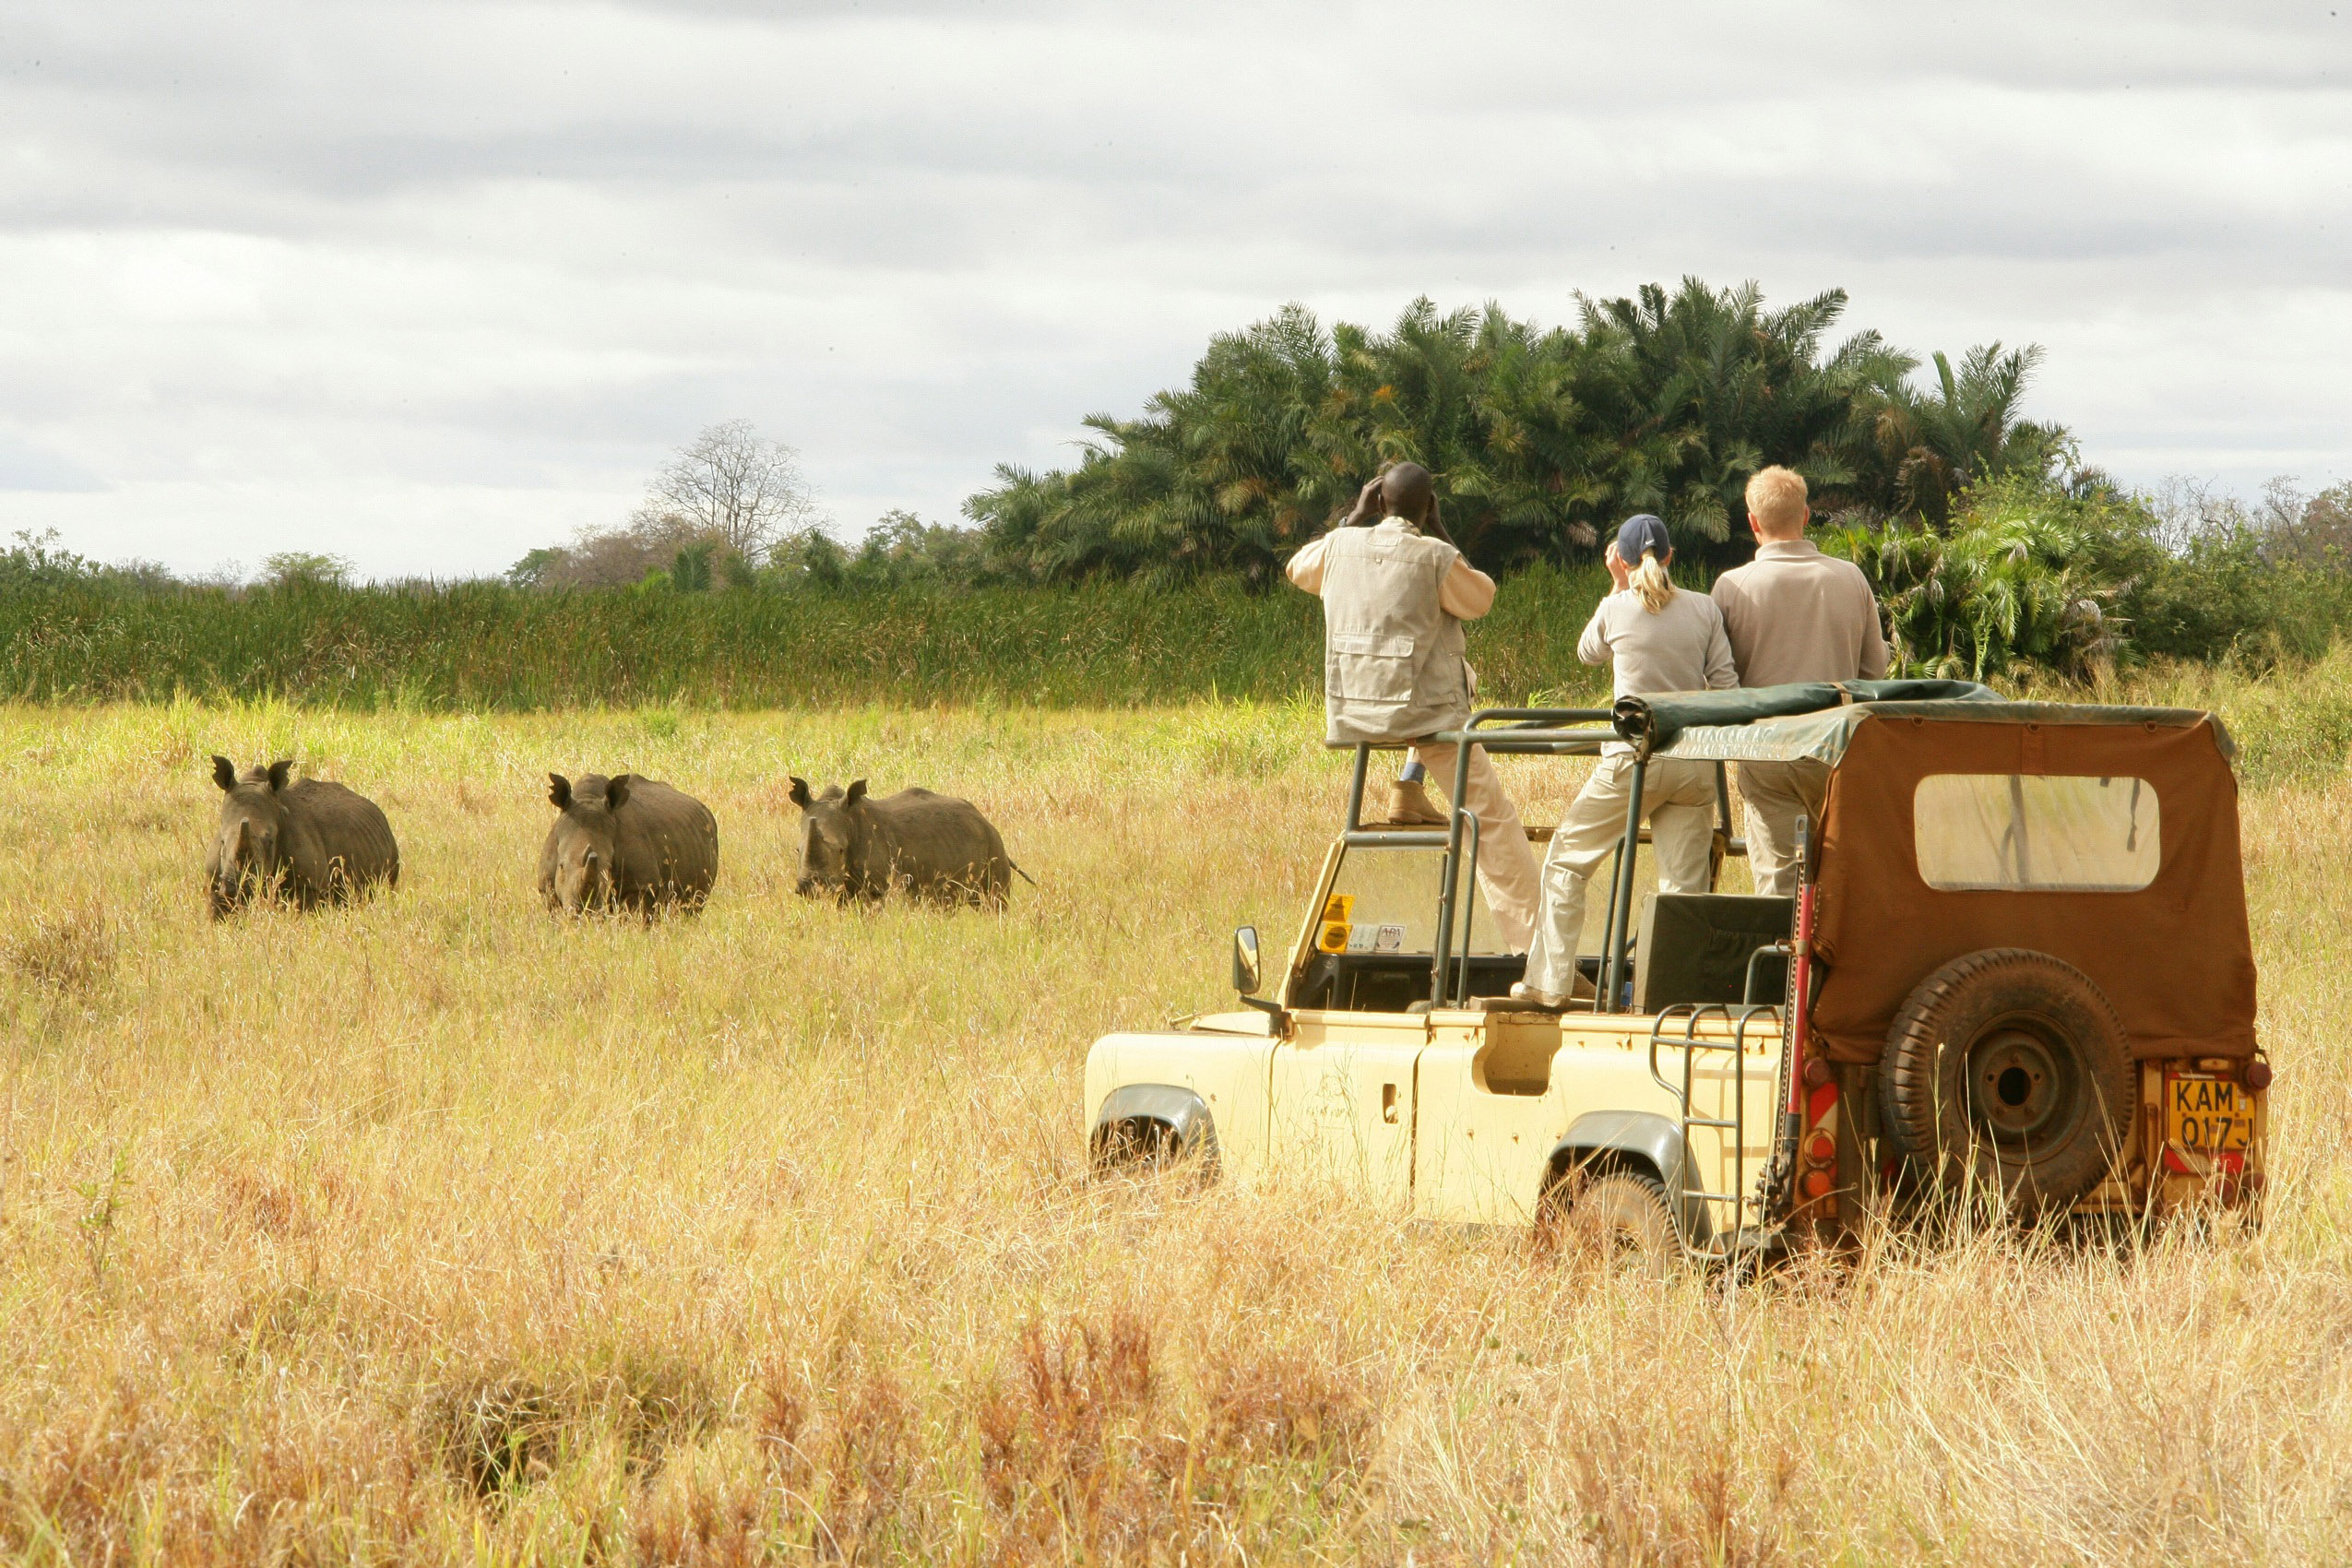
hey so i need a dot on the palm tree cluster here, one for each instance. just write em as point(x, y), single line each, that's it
point(2020, 578)
point(1542, 439)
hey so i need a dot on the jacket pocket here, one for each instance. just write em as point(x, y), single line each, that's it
point(1370, 667)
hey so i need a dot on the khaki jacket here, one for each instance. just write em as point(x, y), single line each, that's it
point(1391, 665)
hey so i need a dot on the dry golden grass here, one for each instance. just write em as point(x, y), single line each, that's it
point(439, 1229)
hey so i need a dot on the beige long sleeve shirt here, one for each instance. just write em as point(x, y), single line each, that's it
point(1682, 648)
point(1465, 594)
point(1796, 614)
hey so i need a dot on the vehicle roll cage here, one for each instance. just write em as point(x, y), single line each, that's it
point(1519, 731)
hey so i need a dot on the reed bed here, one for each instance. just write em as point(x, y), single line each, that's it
point(485, 647)
point(439, 1229)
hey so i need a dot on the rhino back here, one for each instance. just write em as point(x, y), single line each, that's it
point(665, 845)
point(938, 836)
point(339, 839)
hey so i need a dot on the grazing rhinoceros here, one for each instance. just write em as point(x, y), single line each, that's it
point(932, 846)
point(313, 843)
point(627, 842)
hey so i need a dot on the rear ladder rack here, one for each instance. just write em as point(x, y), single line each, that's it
point(1722, 1244)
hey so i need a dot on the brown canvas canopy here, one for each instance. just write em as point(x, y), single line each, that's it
point(2173, 955)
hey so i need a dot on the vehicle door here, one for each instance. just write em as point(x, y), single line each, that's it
point(1342, 1102)
point(1344, 1087)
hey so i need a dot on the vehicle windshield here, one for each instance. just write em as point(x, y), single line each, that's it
point(1385, 901)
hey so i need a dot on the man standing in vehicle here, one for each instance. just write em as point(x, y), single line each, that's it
point(1396, 591)
point(1793, 614)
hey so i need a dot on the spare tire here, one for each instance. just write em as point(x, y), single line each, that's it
point(2007, 1071)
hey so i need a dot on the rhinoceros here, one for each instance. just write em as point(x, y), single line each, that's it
point(935, 847)
point(310, 843)
point(626, 842)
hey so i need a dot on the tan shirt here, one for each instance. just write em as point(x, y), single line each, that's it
point(1796, 614)
point(1465, 594)
point(1681, 648)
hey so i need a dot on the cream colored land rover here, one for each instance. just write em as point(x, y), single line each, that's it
point(2018, 967)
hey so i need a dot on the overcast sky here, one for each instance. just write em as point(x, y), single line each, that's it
point(428, 285)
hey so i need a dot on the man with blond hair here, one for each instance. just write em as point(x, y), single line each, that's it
point(1793, 614)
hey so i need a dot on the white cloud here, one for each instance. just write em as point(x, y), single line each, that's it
point(429, 284)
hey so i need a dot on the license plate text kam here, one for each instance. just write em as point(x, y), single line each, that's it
point(2207, 1115)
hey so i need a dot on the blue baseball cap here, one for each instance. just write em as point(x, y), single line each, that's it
point(1640, 533)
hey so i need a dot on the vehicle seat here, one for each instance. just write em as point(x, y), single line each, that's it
point(1696, 947)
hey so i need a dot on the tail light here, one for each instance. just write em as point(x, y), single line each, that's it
point(2257, 1074)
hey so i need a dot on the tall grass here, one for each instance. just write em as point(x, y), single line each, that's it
point(475, 646)
point(440, 1229)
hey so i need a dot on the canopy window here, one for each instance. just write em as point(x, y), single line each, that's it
point(2018, 832)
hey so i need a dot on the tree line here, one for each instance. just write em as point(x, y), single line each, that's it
point(1543, 439)
point(1992, 545)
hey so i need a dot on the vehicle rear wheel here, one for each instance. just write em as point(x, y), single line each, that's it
point(2008, 1070)
point(1621, 1220)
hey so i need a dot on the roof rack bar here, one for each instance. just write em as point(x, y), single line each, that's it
point(1616, 969)
point(1451, 870)
point(1395, 839)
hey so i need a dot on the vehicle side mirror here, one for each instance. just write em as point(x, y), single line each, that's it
point(1249, 976)
point(1247, 970)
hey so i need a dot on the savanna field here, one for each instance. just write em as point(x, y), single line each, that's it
point(444, 1230)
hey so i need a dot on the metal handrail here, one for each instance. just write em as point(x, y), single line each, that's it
point(1692, 1012)
point(1532, 731)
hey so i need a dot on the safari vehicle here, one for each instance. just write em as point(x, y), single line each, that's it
point(2017, 967)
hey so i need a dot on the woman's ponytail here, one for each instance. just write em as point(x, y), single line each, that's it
point(1651, 581)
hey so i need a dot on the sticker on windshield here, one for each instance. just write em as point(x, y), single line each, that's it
point(1388, 938)
point(1339, 908)
point(1333, 936)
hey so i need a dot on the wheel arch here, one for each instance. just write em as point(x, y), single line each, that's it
point(1169, 1114)
point(1641, 1141)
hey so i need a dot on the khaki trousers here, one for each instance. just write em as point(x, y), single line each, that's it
point(1677, 801)
point(1776, 794)
point(1506, 866)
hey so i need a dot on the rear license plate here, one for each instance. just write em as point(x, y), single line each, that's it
point(2207, 1115)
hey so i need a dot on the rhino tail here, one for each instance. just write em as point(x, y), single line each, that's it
point(1024, 875)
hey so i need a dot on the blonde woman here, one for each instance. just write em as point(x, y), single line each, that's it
point(1661, 638)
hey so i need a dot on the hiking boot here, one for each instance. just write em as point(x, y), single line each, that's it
point(1409, 805)
point(1524, 998)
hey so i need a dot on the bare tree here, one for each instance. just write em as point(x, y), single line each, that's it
point(732, 486)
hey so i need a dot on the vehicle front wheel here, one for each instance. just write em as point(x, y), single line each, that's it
point(2008, 1071)
point(1151, 1149)
point(1621, 1220)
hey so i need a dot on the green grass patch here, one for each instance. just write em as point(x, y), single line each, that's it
point(486, 647)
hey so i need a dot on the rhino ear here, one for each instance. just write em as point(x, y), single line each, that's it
point(799, 791)
point(559, 791)
point(224, 772)
point(616, 791)
point(277, 772)
point(857, 792)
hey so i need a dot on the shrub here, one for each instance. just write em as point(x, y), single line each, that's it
point(2010, 585)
